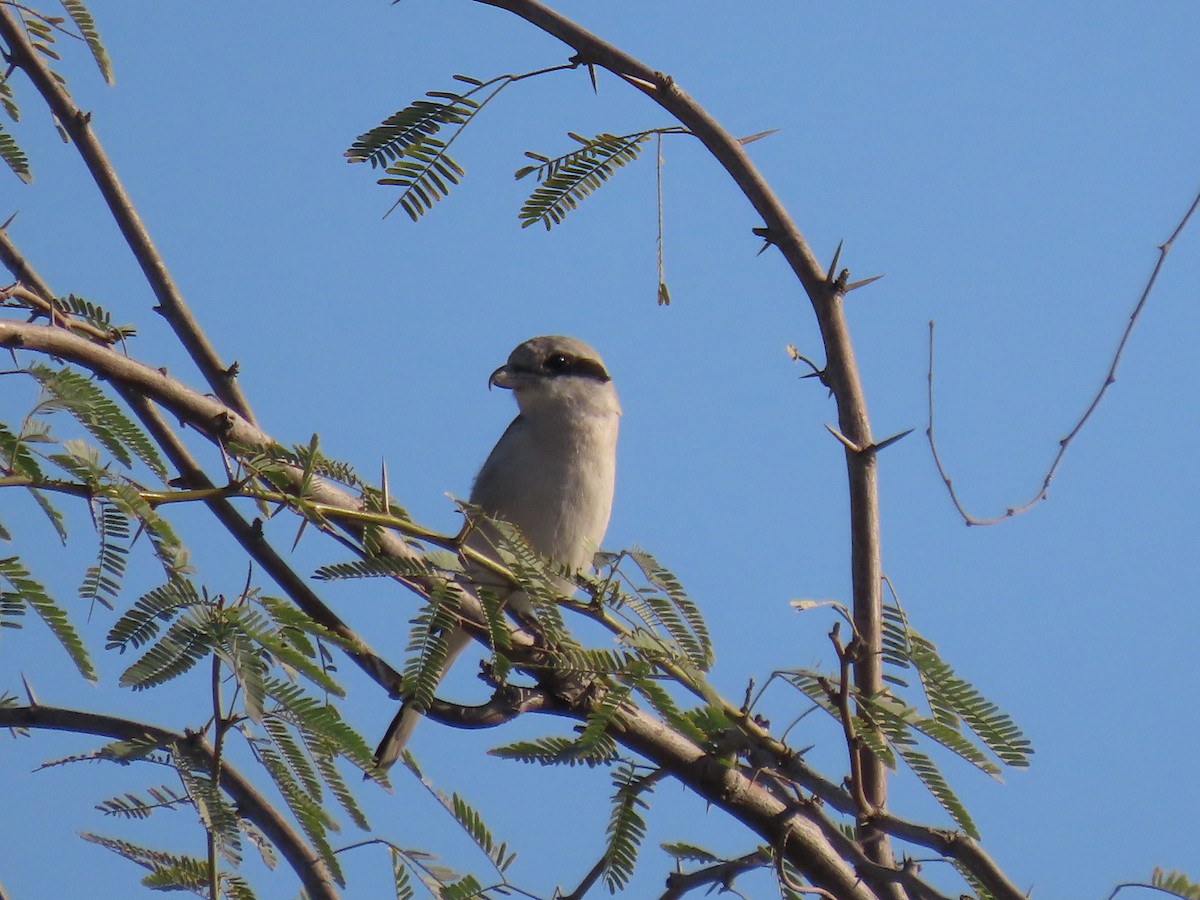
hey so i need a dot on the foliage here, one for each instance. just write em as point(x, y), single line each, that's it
point(266, 667)
point(406, 146)
point(42, 30)
point(567, 179)
point(894, 729)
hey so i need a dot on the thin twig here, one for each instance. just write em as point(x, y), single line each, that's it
point(720, 875)
point(1109, 379)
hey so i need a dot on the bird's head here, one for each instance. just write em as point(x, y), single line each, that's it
point(555, 373)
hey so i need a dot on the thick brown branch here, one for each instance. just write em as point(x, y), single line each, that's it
point(139, 384)
point(77, 124)
point(311, 869)
point(793, 835)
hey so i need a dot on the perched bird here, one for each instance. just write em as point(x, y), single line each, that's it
point(551, 474)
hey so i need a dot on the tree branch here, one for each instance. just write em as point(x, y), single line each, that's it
point(317, 879)
point(826, 295)
point(77, 124)
point(958, 846)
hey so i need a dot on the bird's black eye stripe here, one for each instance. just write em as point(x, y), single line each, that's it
point(563, 364)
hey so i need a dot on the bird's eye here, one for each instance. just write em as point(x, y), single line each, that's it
point(557, 362)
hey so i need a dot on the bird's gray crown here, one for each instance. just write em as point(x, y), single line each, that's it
point(554, 356)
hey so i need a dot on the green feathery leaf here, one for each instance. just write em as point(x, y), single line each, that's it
point(406, 146)
point(313, 819)
point(1176, 883)
point(7, 99)
point(216, 814)
point(626, 827)
point(27, 591)
point(102, 582)
point(929, 774)
point(594, 734)
point(168, 871)
point(400, 879)
point(133, 806)
point(87, 27)
point(69, 390)
point(14, 157)
point(95, 315)
point(557, 751)
point(468, 819)
point(319, 724)
point(567, 179)
point(187, 641)
point(141, 622)
point(681, 617)
point(375, 567)
point(689, 853)
point(411, 126)
point(428, 642)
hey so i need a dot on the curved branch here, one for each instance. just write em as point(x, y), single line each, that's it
point(826, 295)
point(77, 124)
point(958, 846)
point(139, 384)
point(794, 835)
point(311, 869)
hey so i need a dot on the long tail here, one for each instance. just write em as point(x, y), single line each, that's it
point(405, 720)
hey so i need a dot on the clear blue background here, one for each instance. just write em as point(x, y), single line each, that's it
point(1009, 168)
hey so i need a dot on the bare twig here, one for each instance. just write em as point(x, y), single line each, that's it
point(841, 698)
point(1109, 379)
point(721, 874)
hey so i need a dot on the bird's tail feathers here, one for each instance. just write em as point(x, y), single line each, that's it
point(400, 730)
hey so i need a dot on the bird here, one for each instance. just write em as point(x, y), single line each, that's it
point(551, 474)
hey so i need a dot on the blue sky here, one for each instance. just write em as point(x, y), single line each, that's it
point(1009, 168)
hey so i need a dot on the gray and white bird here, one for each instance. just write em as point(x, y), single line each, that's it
point(551, 474)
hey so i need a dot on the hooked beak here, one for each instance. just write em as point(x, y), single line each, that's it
point(500, 378)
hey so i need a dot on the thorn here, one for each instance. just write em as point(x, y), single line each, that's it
point(299, 532)
point(383, 486)
point(8, 222)
point(757, 136)
point(849, 444)
point(765, 234)
point(647, 86)
point(29, 694)
point(875, 448)
point(837, 254)
point(592, 75)
point(857, 284)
